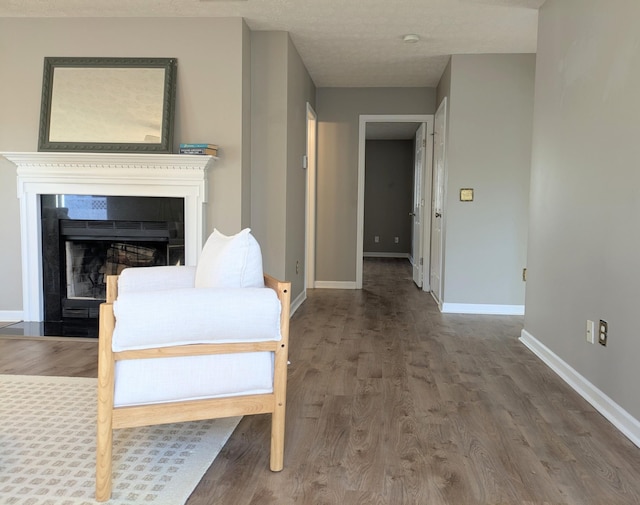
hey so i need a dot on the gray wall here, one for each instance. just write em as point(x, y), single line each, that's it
point(269, 146)
point(339, 111)
point(388, 195)
point(211, 102)
point(281, 88)
point(488, 149)
point(246, 127)
point(300, 90)
point(584, 242)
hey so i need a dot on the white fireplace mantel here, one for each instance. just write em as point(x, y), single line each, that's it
point(107, 174)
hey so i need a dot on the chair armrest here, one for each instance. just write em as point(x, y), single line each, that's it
point(195, 316)
point(133, 280)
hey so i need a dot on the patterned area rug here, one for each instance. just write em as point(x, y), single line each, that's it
point(47, 448)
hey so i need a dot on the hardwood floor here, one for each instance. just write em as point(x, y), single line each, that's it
point(391, 402)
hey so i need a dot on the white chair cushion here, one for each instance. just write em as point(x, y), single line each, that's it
point(143, 381)
point(194, 316)
point(156, 278)
point(230, 262)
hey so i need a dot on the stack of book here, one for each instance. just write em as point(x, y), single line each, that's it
point(210, 149)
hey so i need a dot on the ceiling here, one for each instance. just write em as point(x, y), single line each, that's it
point(345, 43)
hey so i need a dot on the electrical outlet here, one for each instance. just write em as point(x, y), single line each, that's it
point(591, 332)
point(376, 239)
point(603, 332)
point(397, 240)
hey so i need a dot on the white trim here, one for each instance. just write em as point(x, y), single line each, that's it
point(482, 308)
point(310, 199)
point(386, 255)
point(109, 174)
point(11, 316)
point(295, 304)
point(376, 118)
point(620, 418)
point(336, 285)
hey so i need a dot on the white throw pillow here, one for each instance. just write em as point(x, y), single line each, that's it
point(230, 262)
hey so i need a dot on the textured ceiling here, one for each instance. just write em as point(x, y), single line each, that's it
point(345, 42)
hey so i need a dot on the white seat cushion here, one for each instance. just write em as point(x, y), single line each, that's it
point(230, 262)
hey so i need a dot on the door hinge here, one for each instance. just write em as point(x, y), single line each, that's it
point(421, 261)
point(424, 143)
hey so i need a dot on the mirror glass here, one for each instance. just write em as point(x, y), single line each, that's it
point(108, 104)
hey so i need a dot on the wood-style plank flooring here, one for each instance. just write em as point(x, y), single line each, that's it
point(391, 402)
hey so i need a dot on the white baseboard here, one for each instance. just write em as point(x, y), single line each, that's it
point(335, 285)
point(620, 418)
point(11, 315)
point(482, 308)
point(295, 304)
point(386, 255)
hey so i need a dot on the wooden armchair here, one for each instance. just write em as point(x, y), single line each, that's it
point(114, 415)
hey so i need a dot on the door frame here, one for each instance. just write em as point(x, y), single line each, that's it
point(389, 118)
point(310, 199)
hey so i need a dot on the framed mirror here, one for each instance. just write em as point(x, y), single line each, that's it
point(108, 104)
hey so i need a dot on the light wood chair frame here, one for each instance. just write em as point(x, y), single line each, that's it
point(111, 418)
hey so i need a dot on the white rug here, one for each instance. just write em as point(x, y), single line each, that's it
point(47, 448)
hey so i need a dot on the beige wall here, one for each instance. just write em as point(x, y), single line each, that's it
point(339, 111)
point(583, 236)
point(490, 114)
point(281, 88)
point(210, 107)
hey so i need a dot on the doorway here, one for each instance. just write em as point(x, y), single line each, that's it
point(414, 121)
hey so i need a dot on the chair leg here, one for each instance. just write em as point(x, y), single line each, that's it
point(276, 462)
point(103, 456)
point(106, 378)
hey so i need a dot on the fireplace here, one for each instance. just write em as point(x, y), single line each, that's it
point(43, 177)
point(87, 237)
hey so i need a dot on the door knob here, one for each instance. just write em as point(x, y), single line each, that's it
point(438, 214)
point(412, 214)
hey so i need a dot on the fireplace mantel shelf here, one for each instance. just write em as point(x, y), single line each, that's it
point(109, 174)
point(125, 160)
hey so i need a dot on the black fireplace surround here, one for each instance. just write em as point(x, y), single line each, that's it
point(85, 238)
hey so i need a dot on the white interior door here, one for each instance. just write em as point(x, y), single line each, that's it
point(418, 204)
point(437, 202)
